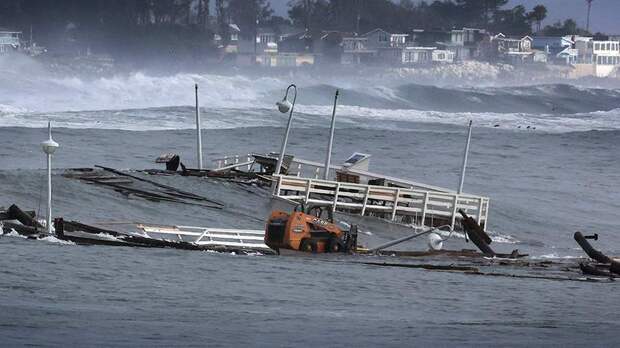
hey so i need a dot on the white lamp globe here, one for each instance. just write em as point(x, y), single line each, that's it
point(284, 106)
point(49, 146)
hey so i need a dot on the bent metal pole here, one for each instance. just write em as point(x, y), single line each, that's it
point(198, 132)
point(328, 158)
point(285, 106)
point(465, 159)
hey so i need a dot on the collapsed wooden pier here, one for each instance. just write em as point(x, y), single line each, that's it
point(355, 190)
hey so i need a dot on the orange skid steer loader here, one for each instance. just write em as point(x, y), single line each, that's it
point(308, 232)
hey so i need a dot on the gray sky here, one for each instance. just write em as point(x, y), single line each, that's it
point(605, 15)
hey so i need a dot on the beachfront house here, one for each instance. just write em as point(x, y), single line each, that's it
point(599, 58)
point(355, 50)
point(513, 50)
point(417, 55)
point(259, 48)
point(464, 44)
point(9, 40)
point(559, 49)
point(375, 47)
point(443, 56)
point(295, 50)
point(328, 46)
point(232, 44)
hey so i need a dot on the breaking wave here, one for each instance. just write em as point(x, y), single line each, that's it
point(169, 118)
point(29, 96)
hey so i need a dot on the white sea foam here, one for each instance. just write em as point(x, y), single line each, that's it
point(53, 239)
point(182, 118)
point(598, 120)
point(557, 256)
point(13, 233)
point(9, 109)
point(139, 101)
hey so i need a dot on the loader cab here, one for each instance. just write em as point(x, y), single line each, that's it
point(307, 228)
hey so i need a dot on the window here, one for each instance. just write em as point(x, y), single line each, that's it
point(609, 46)
point(597, 47)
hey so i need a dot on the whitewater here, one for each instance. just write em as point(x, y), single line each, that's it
point(30, 95)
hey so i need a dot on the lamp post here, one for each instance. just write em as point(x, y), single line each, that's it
point(285, 106)
point(465, 159)
point(198, 131)
point(49, 147)
point(328, 157)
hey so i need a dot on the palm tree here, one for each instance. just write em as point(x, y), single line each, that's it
point(538, 14)
point(588, 20)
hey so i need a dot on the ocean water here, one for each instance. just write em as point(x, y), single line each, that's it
point(545, 154)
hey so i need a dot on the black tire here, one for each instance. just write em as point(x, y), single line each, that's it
point(306, 246)
point(334, 245)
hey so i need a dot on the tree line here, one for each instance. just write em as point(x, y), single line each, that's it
point(188, 25)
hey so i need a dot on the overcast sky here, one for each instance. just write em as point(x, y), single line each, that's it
point(605, 15)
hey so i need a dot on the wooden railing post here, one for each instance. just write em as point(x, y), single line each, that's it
point(397, 195)
point(279, 183)
point(454, 209)
point(365, 200)
point(308, 187)
point(424, 207)
point(336, 198)
point(486, 216)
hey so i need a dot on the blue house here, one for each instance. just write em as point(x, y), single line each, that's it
point(559, 49)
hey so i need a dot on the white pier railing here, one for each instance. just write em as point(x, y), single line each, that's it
point(234, 161)
point(421, 207)
point(202, 236)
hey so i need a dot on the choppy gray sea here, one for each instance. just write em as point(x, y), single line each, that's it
point(544, 184)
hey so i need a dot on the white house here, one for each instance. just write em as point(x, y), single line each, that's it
point(376, 46)
point(355, 50)
point(418, 55)
point(443, 56)
point(605, 57)
point(596, 57)
point(379, 38)
point(9, 40)
point(512, 49)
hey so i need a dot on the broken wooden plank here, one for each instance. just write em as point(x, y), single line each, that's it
point(27, 219)
point(433, 267)
point(175, 190)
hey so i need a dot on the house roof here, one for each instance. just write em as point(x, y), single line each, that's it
point(297, 36)
point(546, 39)
point(374, 30)
point(512, 38)
point(420, 48)
point(327, 33)
point(7, 30)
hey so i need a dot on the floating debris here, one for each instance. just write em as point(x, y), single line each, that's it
point(127, 184)
point(604, 266)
